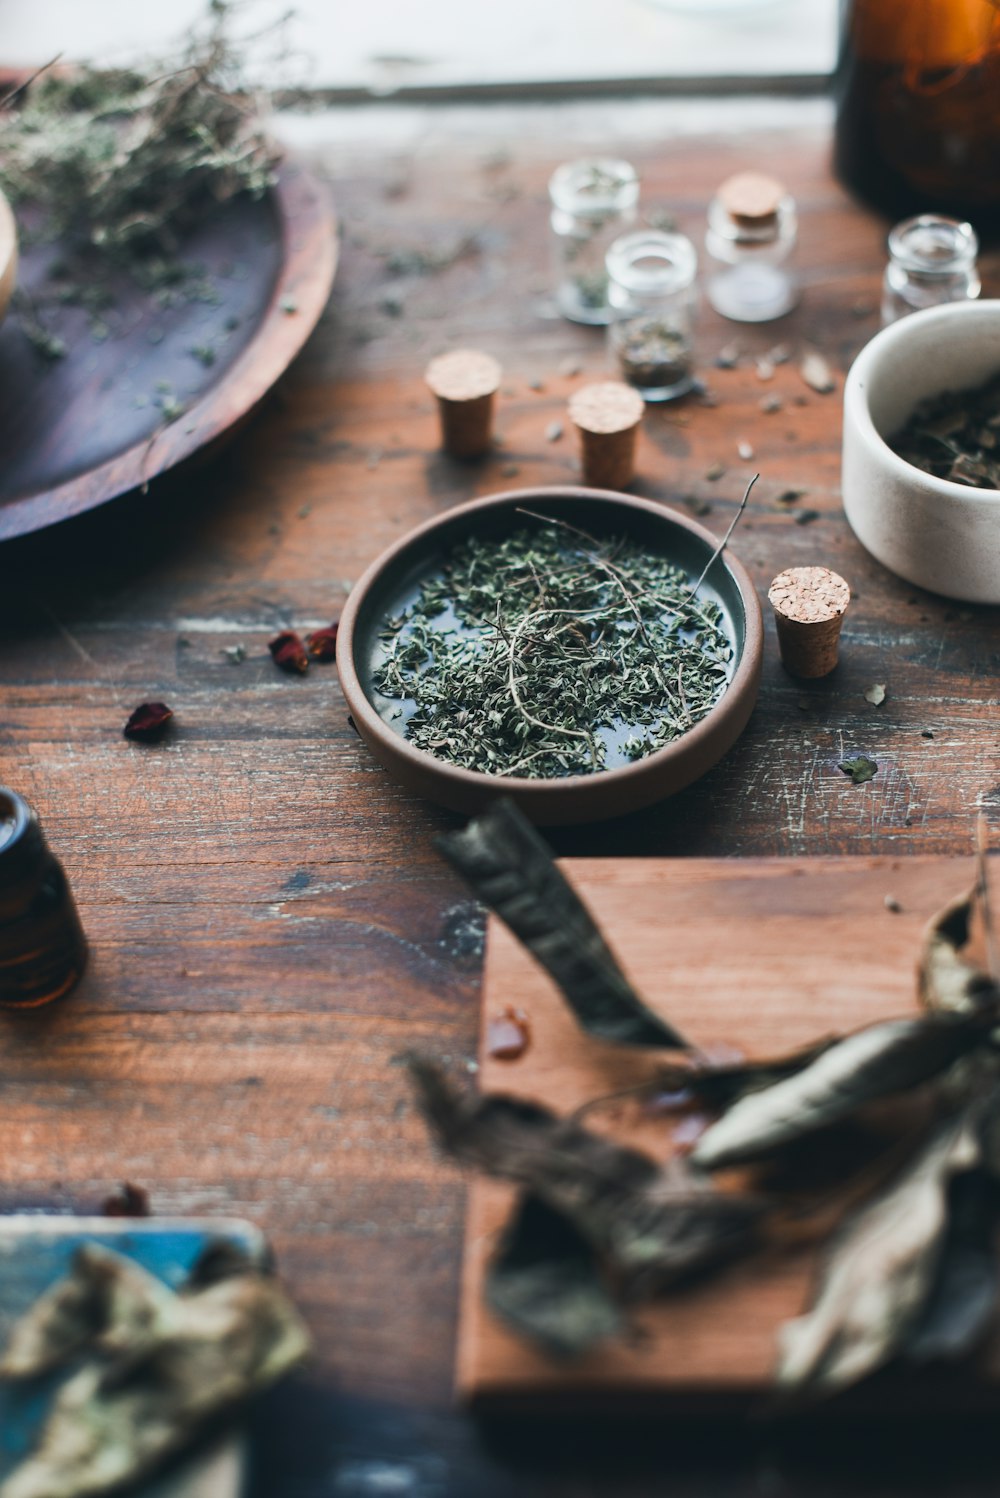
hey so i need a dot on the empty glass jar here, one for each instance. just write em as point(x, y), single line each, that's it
point(752, 229)
point(651, 289)
point(931, 260)
point(592, 202)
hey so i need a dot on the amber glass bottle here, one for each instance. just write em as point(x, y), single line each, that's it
point(42, 947)
point(918, 106)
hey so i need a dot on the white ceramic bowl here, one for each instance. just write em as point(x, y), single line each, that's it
point(8, 255)
point(939, 535)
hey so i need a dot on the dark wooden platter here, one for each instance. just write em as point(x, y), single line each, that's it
point(144, 385)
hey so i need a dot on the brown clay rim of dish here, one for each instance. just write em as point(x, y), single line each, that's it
point(742, 682)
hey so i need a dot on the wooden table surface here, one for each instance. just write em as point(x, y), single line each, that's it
point(270, 923)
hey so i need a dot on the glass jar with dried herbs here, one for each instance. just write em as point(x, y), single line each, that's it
point(592, 202)
point(651, 289)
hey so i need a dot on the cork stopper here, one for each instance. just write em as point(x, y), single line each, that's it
point(465, 383)
point(751, 199)
point(607, 416)
point(809, 605)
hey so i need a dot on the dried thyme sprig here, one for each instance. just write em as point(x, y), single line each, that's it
point(548, 651)
point(120, 160)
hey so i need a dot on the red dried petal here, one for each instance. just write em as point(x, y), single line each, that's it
point(288, 652)
point(149, 722)
point(323, 643)
point(128, 1201)
point(508, 1035)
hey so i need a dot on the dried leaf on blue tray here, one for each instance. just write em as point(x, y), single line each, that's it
point(511, 870)
point(871, 1064)
point(946, 981)
point(652, 1226)
point(880, 1271)
point(163, 1366)
point(546, 1282)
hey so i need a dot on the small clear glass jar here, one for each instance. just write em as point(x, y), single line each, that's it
point(752, 230)
point(652, 293)
point(593, 200)
point(931, 260)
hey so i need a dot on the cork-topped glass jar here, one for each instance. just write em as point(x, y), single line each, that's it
point(752, 229)
point(593, 201)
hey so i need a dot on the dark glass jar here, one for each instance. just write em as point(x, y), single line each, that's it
point(918, 106)
point(43, 950)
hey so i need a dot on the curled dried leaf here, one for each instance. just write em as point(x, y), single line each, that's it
point(872, 1063)
point(860, 769)
point(511, 870)
point(879, 1272)
point(719, 1086)
point(546, 1282)
point(652, 1226)
point(946, 982)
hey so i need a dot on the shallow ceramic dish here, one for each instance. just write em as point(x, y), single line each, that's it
point(939, 535)
point(8, 255)
point(394, 578)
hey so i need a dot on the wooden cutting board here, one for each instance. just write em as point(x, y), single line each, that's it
point(763, 954)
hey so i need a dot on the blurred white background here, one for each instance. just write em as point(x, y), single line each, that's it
point(383, 45)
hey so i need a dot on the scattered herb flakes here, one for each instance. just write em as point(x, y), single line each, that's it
point(235, 654)
point(510, 470)
point(875, 694)
point(716, 472)
point(860, 769)
point(817, 374)
point(148, 723)
point(806, 517)
point(605, 661)
point(745, 451)
point(697, 505)
point(728, 356)
point(288, 653)
point(892, 905)
point(780, 354)
point(553, 431)
point(927, 733)
point(322, 643)
point(771, 404)
point(570, 367)
point(509, 868)
point(204, 353)
point(765, 369)
point(289, 306)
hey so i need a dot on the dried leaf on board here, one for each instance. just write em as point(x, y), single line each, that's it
point(962, 1302)
point(720, 1086)
point(879, 1272)
point(652, 1226)
point(872, 1063)
point(546, 1282)
point(947, 983)
point(511, 870)
point(162, 1366)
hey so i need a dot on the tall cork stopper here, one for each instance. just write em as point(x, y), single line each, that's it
point(809, 605)
point(465, 383)
point(607, 417)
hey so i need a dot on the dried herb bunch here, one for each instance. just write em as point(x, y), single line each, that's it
point(119, 161)
point(909, 1275)
point(551, 652)
point(956, 436)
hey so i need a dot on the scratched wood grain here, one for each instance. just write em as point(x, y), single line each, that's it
point(270, 924)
